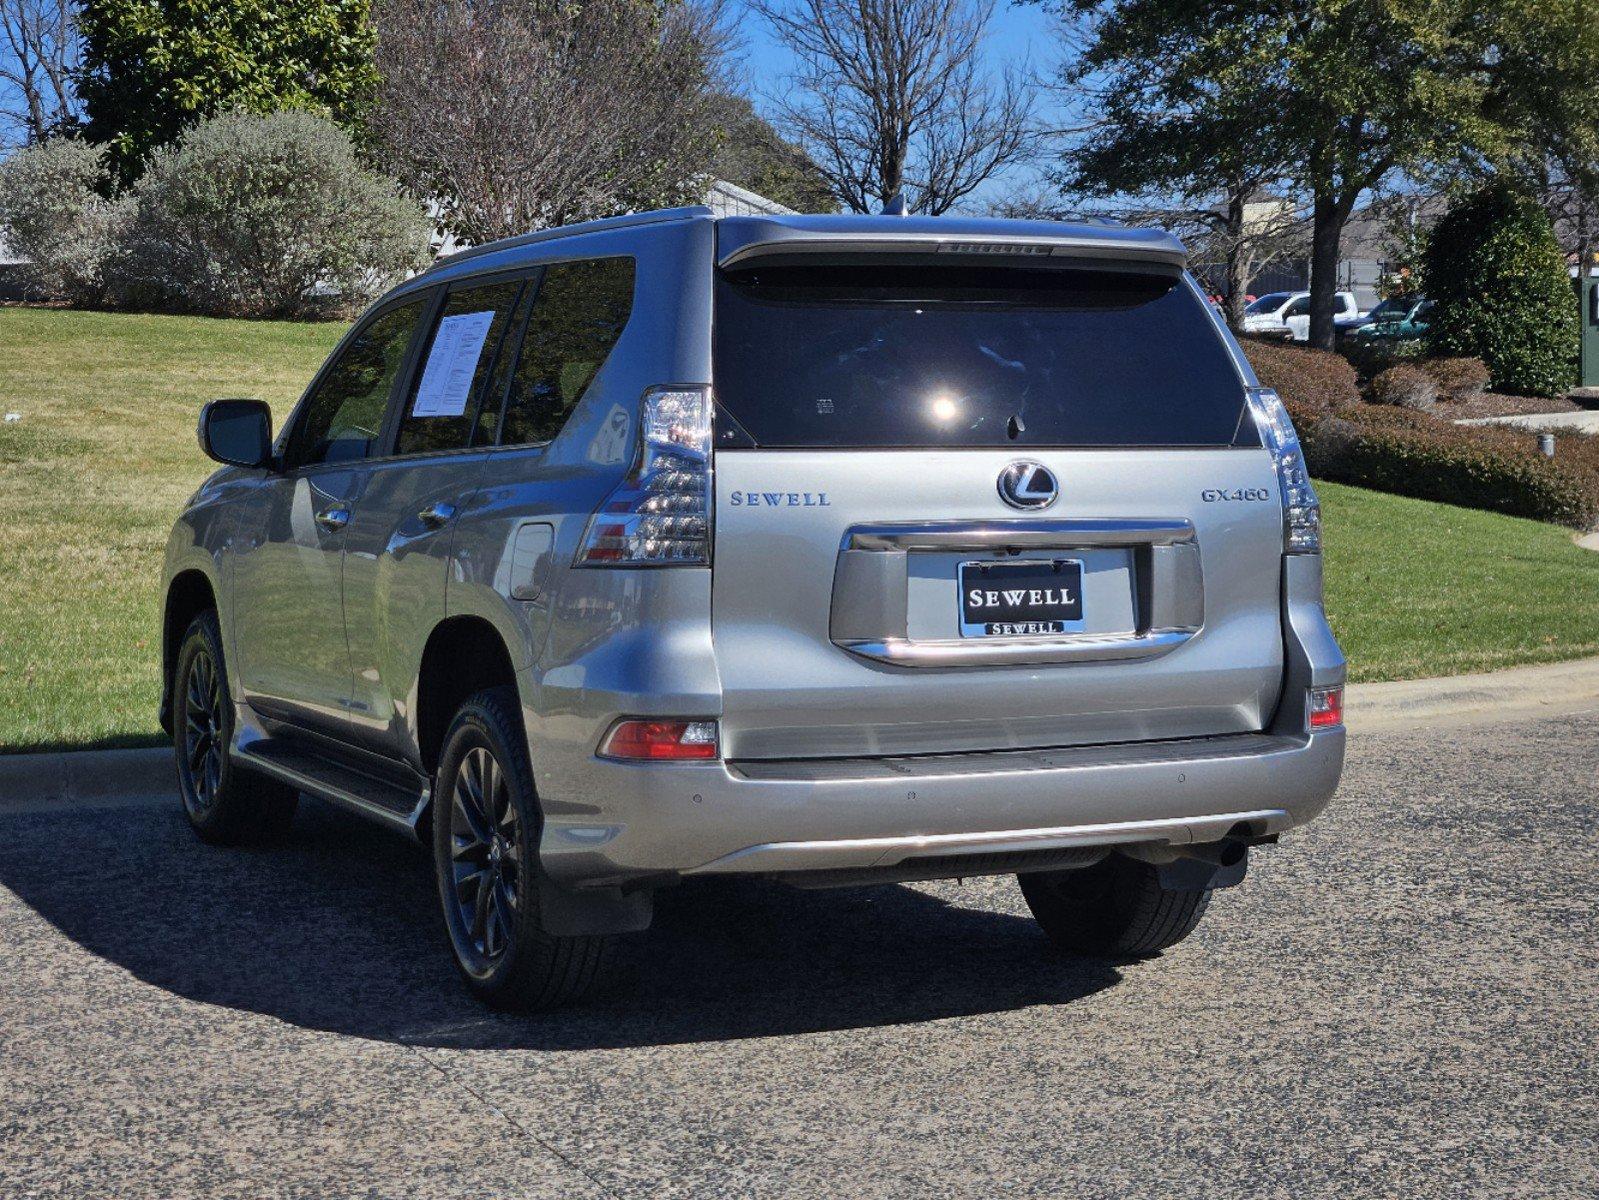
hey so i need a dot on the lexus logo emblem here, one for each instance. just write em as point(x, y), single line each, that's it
point(1028, 485)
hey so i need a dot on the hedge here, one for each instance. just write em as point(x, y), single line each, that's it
point(1412, 454)
point(1309, 378)
point(1408, 453)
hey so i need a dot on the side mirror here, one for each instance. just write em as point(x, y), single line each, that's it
point(237, 432)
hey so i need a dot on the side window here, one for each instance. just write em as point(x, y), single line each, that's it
point(579, 313)
point(1298, 308)
point(342, 419)
point(452, 378)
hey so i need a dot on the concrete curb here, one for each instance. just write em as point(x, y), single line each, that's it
point(1580, 421)
point(85, 775)
point(1518, 693)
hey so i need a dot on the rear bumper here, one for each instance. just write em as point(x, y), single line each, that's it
point(780, 817)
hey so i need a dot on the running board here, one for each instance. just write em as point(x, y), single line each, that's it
point(391, 804)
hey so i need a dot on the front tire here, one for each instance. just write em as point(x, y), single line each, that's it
point(225, 803)
point(485, 854)
point(1113, 909)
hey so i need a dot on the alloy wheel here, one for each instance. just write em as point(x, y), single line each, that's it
point(203, 731)
point(485, 854)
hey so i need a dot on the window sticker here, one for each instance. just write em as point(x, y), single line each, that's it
point(452, 363)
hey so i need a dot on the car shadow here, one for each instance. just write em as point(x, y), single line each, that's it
point(335, 929)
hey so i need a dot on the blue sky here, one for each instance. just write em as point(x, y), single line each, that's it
point(1017, 34)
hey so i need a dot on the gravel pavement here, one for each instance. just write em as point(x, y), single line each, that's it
point(1401, 1001)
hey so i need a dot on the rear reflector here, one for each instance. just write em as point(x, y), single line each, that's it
point(1326, 707)
point(660, 741)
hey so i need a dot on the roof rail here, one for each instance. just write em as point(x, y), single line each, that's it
point(657, 216)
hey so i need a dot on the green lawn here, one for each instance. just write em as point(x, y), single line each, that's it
point(104, 455)
point(1417, 589)
point(90, 478)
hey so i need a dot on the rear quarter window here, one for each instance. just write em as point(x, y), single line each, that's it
point(882, 355)
point(579, 313)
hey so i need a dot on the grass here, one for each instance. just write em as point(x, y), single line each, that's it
point(104, 456)
point(1417, 589)
point(91, 476)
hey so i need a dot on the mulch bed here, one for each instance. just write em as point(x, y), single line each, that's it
point(1490, 404)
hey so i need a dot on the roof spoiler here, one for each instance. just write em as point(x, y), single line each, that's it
point(742, 240)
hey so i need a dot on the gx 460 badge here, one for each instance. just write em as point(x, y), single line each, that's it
point(1212, 495)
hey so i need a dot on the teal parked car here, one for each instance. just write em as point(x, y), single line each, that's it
point(1395, 319)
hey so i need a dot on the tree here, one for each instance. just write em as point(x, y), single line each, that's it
point(1544, 86)
point(1342, 93)
point(750, 153)
point(1498, 277)
point(151, 67)
point(38, 61)
point(513, 115)
point(1185, 147)
point(891, 96)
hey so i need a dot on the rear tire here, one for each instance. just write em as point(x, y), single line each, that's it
point(226, 804)
point(1113, 909)
point(485, 853)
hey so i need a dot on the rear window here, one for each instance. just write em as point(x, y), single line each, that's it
point(883, 355)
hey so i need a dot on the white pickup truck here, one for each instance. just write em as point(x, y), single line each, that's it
point(1287, 314)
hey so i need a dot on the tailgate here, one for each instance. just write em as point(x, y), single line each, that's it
point(838, 614)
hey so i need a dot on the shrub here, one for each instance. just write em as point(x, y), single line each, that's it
point(1499, 279)
point(1405, 386)
point(1489, 467)
point(256, 216)
point(1458, 379)
point(1304, 378)
point(1371, 358)
point(53, 216)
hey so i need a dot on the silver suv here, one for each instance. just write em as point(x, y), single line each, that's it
point(836, 550)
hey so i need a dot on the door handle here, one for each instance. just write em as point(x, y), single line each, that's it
point(436, 515)
point(333, 518)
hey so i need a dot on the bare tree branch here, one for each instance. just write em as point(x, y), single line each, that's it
point(891, 95)
point(518, 114)
point(38, 60)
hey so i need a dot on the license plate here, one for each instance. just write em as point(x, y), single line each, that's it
point(1020, 599)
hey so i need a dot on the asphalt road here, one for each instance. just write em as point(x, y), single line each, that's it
point(1402, 1000)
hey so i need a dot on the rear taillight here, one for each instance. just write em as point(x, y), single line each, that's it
point(1301, 509)
point(660, 741)
point(1326, 707)
point(660, 514)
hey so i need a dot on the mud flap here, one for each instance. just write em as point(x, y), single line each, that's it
point(1219, 868)
point(589, 912)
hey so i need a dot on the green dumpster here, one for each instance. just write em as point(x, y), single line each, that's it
point(1587, 282)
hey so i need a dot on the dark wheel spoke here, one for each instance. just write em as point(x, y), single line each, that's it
point(485, 853)
point(468, 885)
point(493, 932)
point(480, 909)
point(488, 780)
point(505, 901)
point(469, 799)
point(203, 731)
